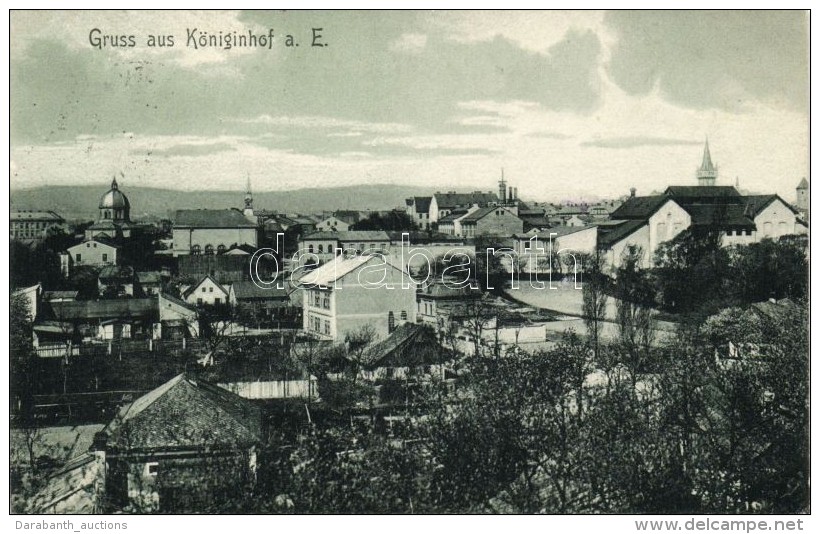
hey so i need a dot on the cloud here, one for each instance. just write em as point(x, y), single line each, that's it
point(713, 59)
point(410, 43)
point(632, 142)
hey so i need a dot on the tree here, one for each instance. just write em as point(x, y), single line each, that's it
point(595, 298)
point(23, 357)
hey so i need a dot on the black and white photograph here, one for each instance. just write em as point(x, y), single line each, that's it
point(412, 262)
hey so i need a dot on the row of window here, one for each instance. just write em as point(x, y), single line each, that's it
point(79, 258)
point(320, 249)
point(209, 249)
point(320, 326)
point(320, 299)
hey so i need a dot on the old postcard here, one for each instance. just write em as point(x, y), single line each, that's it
point(409, 262)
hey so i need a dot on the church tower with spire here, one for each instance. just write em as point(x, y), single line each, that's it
point(248, 211)
point(708, 172)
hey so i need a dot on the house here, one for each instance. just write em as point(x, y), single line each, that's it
point(443, 204)
point(33, 225)
point(436, 301)
point(107, 319)
point(642, 223)
point(206, 292)
point(418, 209)
point(411, 350)
point(324, 246)
point(491, 221)
point(208, 231)
point(32, 296)
point(272, 302)
point(348, 293)
point(177, 318)
point(332, 224)
point(149, 282)
point(96, 252)
point(116, 281)
point(60, 296)
point(187, 446)
point(537, 252)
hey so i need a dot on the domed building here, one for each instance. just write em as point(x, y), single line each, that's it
point(115, 216)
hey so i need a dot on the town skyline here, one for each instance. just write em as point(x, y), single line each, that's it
point(567, 103)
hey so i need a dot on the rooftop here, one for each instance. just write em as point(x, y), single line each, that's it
point(203, 218)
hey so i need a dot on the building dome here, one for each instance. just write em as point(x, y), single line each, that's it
point(114, 199)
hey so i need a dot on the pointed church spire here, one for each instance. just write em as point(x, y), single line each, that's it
point(114, 185)
point(707, 173)
point(248, 195)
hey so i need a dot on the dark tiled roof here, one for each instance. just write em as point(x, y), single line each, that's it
point(248, 290)
point(757, 203)
point(722, 215)
point(452, 200)
point(685, 193)
point(457, 214)
point(149, 277)
point(409, 345)
point(608, 238)
point(185, 413)
point(422, 204)
point(229, 218)
point(116, 272)
point(639, 207)
point(104, 309)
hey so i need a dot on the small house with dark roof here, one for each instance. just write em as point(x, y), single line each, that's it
point(418, 209)
point(206, 292)
point(443, 204)
point(491, 221)
point(209, 232)
point(410, 350)
point(187, 446)
point(96, 252)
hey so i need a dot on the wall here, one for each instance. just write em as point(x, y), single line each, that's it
point(665, 224)
point(639, 237)
point(92, 253)
point(185, 238)
point(774, 221)
point(499, 222)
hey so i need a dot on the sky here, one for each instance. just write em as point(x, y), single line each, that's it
point(570, 104)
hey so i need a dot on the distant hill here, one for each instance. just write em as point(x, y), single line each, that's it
point(80, 202)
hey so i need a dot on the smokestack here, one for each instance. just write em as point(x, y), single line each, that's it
point(632, 192)
point(515, 193)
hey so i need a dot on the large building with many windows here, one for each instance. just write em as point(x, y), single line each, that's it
point(33, 225)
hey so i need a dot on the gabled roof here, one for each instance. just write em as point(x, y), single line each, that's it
point(452, 200)
point(608, 238)
point(177, 301)
point(196, 286)
point(409, 345)
point(757, 203)
point(339, 267)
point(97, 239)
point(202, 218)
point(422, 204)
point(480, 213)
point(453, 216)
point(185, 413)
point(639, 207)
point(804, 184)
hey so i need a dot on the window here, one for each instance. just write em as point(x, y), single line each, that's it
point(151, 468)
point(310, 249)
point(94, 245)
point(204, 289)
point(79, 257)
point(321, 249)
point(199, 302)
point(220, 249)
point(195, 250)
point(316, 297)
point(403, 315)
point(209, 249)
point(105, 257)
point(217, 300)
point(88, 245)
point(326, 301)
point(210, 290)
point(327, 328)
